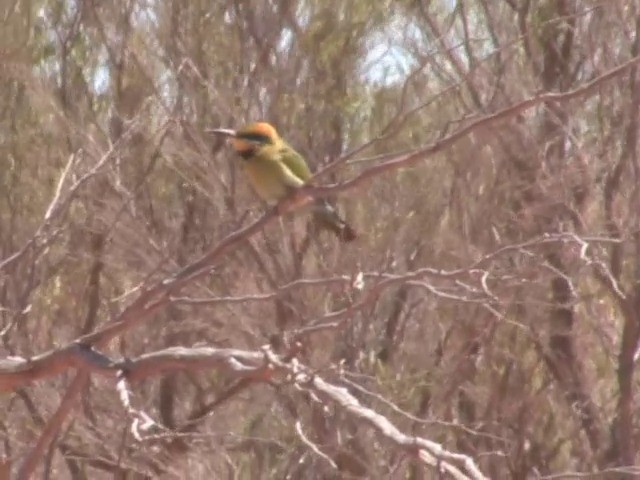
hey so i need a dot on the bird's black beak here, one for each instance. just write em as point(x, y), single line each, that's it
point(227, 132)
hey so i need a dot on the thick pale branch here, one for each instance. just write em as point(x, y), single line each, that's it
point(17, 372)
point(431, 453)
point(239, 363)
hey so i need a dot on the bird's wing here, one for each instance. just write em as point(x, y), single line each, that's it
point(289, 178)
point(295, 162)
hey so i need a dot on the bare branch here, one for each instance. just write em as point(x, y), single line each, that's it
point(482, 122)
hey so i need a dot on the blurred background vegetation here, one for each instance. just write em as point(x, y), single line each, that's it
point(525, 361)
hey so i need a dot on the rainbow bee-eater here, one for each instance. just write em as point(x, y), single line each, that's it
point(276, 171)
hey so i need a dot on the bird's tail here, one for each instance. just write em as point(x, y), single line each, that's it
point(326, 216)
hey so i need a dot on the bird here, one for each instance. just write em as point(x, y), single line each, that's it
point(277, 172)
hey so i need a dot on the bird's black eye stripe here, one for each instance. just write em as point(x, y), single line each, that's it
point(255, 137)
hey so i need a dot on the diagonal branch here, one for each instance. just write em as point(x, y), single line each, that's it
point(484, 121)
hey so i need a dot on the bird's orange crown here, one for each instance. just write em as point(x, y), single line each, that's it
point(255, 133)
point(259, 128)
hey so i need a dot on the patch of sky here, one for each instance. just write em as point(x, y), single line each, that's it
point(389, 59)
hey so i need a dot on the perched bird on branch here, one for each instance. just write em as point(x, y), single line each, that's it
point(277, 173)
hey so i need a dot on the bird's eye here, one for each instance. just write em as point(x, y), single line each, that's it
point(255, 138)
